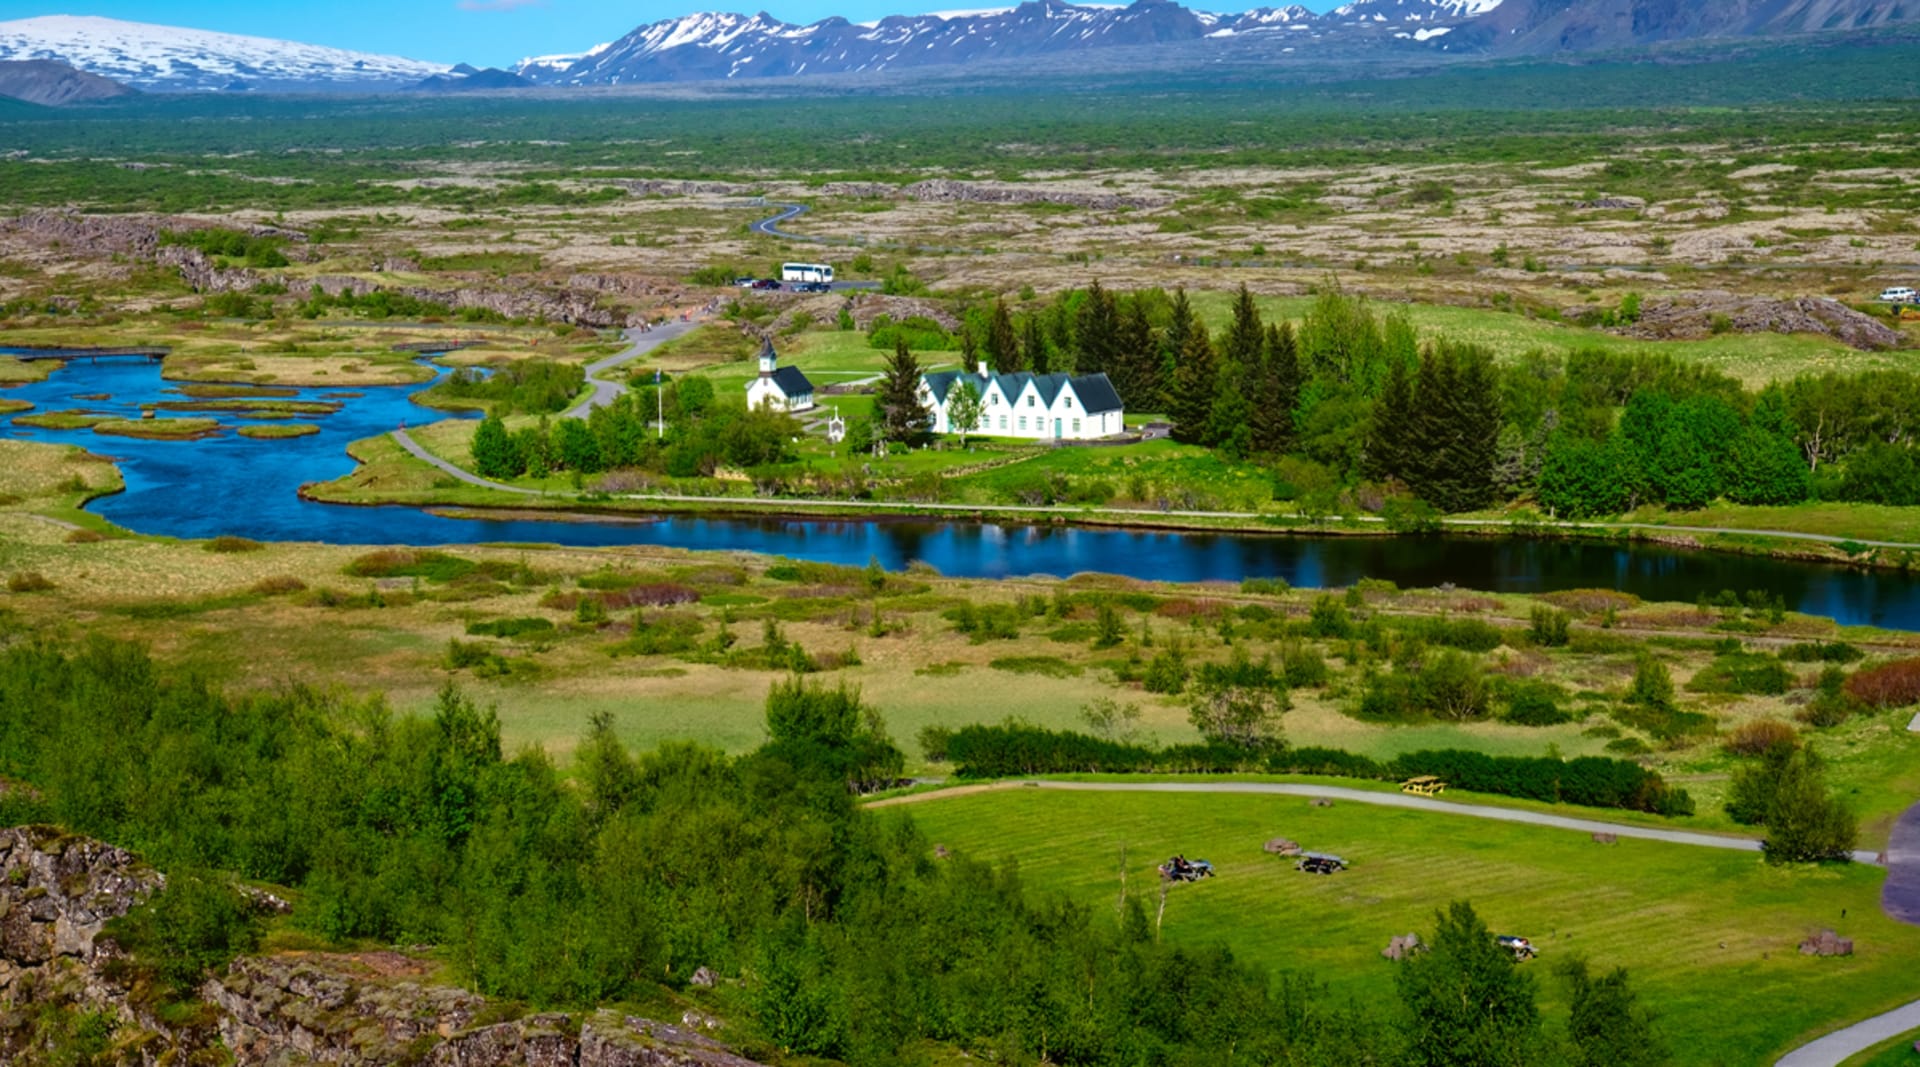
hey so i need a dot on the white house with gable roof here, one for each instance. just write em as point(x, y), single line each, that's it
point(1047, 407)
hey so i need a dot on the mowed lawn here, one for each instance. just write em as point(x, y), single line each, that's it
point(1709, 936)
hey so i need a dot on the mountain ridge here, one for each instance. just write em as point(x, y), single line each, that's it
point(719, 46)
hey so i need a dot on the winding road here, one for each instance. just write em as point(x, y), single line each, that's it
point(639, 343)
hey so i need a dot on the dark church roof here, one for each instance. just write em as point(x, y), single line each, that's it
point(792, 382)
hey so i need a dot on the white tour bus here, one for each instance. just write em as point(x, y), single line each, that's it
point(806, 272)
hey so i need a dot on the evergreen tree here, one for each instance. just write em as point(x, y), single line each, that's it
point(1229, 423)
point(493, 453)
point(1033, 346)
point(1173, 342)
point(1471, 1006)
point(1096, 333)
point(902, 416)
point(1806, 823)
point(1195, 382)
point(1245, 341)
point(1136, 369)
point(1455, 428)
point(1389, 440)
point(1003, 345)
point(1275, 392)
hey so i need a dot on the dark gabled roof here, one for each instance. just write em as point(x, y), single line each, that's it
point(939, 383)
point(1096, 393)
point(792, 382)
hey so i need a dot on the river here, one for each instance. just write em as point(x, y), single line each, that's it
point(229, 484)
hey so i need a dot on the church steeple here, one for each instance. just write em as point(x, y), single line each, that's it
point(768, 357)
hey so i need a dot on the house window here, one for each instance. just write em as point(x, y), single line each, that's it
point(1003, 422)
point(1076, 426)
point(1029, 401)
point(1023, 422)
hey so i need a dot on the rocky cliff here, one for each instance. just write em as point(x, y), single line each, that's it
point(59, 892)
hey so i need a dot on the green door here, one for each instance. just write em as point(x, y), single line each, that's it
point(1056, 429)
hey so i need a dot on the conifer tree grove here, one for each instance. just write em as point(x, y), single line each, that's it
point(1136, 369)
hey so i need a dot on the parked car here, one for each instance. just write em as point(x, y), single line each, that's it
point(1899, 294)
point(811, 287)
point(1182, 869)
point(766, 283)
point(743, 283)
point(1521, 948)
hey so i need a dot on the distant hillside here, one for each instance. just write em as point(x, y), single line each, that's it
point(1546, 27)
point(44, 81)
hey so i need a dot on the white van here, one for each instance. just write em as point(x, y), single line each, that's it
point(1899, 294)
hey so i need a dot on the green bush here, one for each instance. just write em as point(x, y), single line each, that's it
point(1534, 703)
point(1548, 627)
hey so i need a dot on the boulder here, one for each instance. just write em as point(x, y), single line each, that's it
point(1602, 838)
point(1280, 846)
point(1399, 948)
point(1826, 943)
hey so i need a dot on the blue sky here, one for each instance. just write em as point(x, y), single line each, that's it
point(482, 32)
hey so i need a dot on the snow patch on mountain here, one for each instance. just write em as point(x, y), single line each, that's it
point(171, 57)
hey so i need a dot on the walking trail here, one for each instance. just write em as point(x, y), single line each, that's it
point(1900, 897)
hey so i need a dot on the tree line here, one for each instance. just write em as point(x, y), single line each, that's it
point(848, 936)
point(1351, 398)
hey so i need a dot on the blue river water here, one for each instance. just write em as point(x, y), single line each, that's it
point(229, 484)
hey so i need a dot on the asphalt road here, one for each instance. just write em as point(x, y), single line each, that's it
point(639, 344)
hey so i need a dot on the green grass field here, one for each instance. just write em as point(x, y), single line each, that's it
point(1755, 358)
point(1709, 936)
point(1900, 1052)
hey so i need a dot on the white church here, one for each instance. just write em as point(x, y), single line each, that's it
point(1052, 407)
point(777, 387)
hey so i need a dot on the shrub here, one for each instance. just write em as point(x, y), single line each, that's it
point(1167, 673)
point(1760, 736)
point(1303, 666)
point(462, 655)
point(1592, 781)
point(229, 543)
point(278, 585)
point(195, 925)
point(1049, 666)
point(407, 563)
point(1548, 627)
point(510, 628)
point(1889, 685)
point(1329, 618)
point(1821, 652)
point(1451, 686)
point(1534, 703)
point(28, 582)
point(1264, 586)
point(1652, 685)
point(1743, 672)
point(1830, 705)
point(1471, 635)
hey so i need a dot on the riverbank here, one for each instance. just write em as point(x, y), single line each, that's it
point(389, 474)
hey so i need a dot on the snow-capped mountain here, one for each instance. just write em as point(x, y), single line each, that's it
point(718, 45)
point(172, 58)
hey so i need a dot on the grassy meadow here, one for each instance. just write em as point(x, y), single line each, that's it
point(1709, 937)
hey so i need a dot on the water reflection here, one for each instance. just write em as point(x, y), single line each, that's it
point(234, 485)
